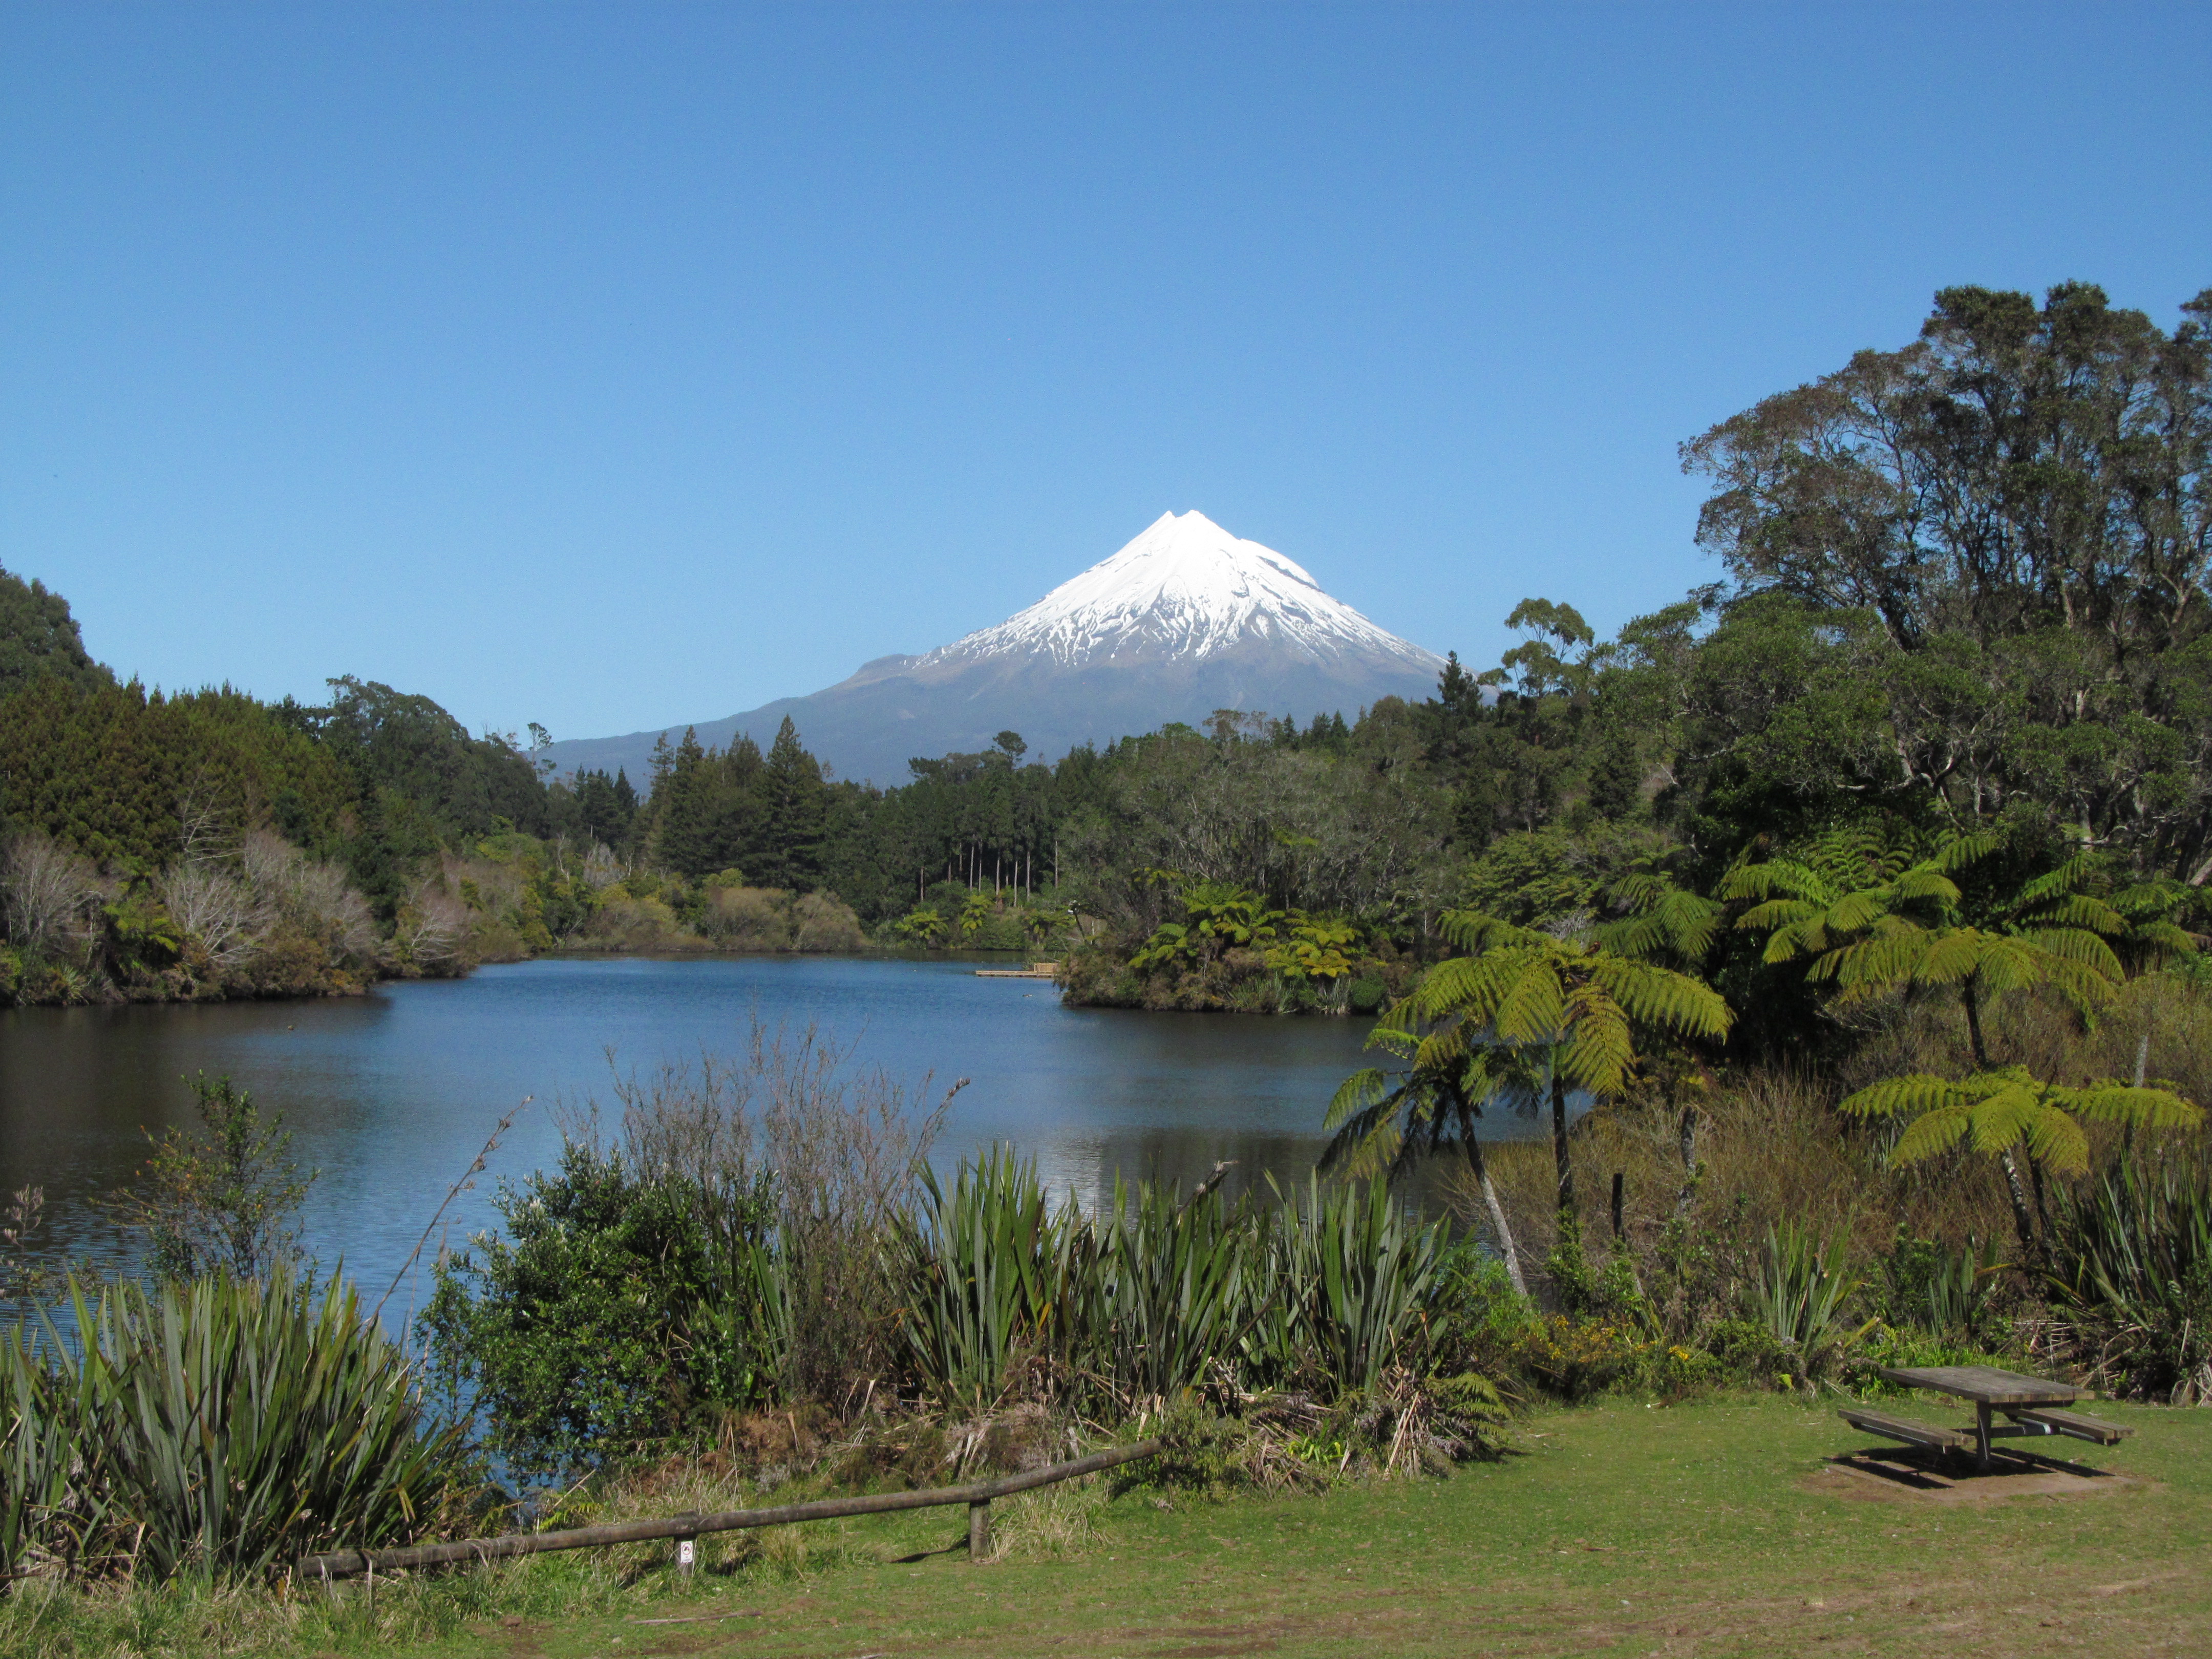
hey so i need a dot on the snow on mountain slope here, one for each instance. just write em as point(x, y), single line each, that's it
point(1184, 589)
point(1184, 620)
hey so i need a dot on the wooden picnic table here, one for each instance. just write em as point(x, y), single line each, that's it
point(1989, 1389)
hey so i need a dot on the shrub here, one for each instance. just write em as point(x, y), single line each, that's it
point(727, 1247)
point(229, 1202)
point(1161, 1295)
point(986, 1270)
point(1475, 1319)
point(1574, 1358)
point(1953, 1293)
point(624, 1302)
point(1341, 1290)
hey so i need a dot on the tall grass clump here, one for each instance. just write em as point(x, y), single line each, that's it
point(216, 1428)
point(1801, 1294)
point(1348, 1273)
point(2132, 1264)
point(1161, 1295)
point(986, 1276)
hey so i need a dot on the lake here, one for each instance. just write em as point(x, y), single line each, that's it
point(390, 1095)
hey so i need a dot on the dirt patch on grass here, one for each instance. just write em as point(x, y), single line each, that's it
point(1217, 1641)
point(1928, 1477)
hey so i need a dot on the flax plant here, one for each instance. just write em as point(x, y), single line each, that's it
point(218, 1428)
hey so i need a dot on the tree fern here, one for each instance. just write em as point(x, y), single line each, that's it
point(1994, 1111)
point(1523, 1014)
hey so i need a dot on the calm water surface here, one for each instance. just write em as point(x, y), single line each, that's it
point(390, 1095)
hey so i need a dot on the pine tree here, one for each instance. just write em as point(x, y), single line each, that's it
point(741, 841)
point(797, 805)
point(686, 799)
point(38, 637)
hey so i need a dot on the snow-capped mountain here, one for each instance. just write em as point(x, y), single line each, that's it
point(1185, 619)
point(1186, 589)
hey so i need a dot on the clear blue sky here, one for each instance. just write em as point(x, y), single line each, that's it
point(610, 366)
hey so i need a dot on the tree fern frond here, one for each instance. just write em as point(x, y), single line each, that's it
point(1500, 1076)
point(1776, 913)
point(1660, 996)
point(1967, 850)
point(1777, 878)
point(2079, 946)
point(1935, 1132)
point(1533, 1008)
point(1957, 954)
point(1884, 960)
point(1371, 1155)
point(1457, 985)
point(1478, 930)
point(1356, 1093)
point(2113, 1102)
point(1443, 1050)
point(1600, 1054)
point(1924, 887)
point(1898, 1097)
point(1855, 912)
point(2070, 877)
point(2055, 1137)
point(2080, 910)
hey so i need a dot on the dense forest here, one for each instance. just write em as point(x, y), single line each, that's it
point(1961, 591)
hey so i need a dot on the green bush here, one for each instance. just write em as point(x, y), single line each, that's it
point(1953, 1293)
point(1895, 1349)
point(1344, 1287)
point(985, 1269)
point(228, 1201)
point(621, 1307)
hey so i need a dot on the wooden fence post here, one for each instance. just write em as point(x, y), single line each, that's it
point(979, 1530)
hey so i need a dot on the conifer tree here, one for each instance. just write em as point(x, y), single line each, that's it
point(38, 637)
point(797, 807)
point(686, 832)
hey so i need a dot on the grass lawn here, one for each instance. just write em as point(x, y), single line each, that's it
point(1712, 1528)
point(1705, 1529)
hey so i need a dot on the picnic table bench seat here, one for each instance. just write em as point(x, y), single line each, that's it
point(1907, 1429)
point(2081, 1427)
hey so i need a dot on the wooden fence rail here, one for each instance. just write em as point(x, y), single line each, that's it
point(977, 1496)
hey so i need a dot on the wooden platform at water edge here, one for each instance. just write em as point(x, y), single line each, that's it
point(1034, 970)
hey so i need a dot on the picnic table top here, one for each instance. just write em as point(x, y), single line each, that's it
point(1983, 1384)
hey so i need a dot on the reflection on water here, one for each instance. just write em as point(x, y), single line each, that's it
point(390, 1095)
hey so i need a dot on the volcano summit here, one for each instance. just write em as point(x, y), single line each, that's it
point(1184, 620)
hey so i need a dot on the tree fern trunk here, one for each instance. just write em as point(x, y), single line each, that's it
point(1689, 1161)
point(1559, 1154)
point(2020, 1217)
point(1482, 1169)
point(1974, 1032)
